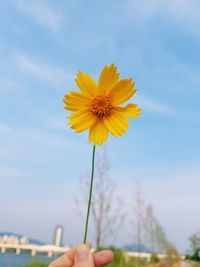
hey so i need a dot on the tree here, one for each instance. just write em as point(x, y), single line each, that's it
point(172, 253)
point(107, 214)
point(138, 218)
point(194, 240)
point(138, 211)
point(155, 236)
point(148, 230)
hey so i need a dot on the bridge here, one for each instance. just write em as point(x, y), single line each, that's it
point(51, 250)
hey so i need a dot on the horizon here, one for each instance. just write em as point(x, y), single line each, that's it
point(43, 45)
point(32, 240)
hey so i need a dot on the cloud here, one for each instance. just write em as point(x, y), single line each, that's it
point(54, 122)
point(34, 144)
point(40, 12)
point(12, 173)
point(151, 105)
point(186, 14)
point(183, 14)
point(9, 86)
point(53, 75)
point(178, 113)
point(4, 128)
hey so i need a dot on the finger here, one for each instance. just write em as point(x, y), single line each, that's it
point(83, 257)
point(66, 260)
point(103, 257)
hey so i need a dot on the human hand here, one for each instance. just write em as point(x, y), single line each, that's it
point(81, 256)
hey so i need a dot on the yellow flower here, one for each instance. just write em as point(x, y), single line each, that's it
point(97, 108)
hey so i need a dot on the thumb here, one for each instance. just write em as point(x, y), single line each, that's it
point(83, 257)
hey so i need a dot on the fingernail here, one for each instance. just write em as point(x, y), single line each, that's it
point(82, 252)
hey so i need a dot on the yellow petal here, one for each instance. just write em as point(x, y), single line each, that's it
point(122, 91)
point(108, 78)
point(130, 111)
point(98, 132)
point(116, 123)
point(87, 85)
point(75, 101)
point(73, 108)
point(81, 120)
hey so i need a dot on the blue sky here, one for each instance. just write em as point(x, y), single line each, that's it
point(42, 45)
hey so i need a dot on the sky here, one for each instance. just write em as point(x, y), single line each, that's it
point(43, 44)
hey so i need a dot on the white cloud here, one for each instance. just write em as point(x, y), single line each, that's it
point(4, 128)
point(12, 173)
point(151, 105)
point(29, 143)
point(184, 14)
point(8, 86)
point(40, 12)
point(143, 10)
point(54, 122)
point(53, 75)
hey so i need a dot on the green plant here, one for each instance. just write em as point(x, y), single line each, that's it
point(120, 260)
point(35, 264)
point(154, 258)
point(195, 256)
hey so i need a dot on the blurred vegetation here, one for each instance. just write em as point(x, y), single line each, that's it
point(121, 260)
point(34, 264)
point(194, 241)
point(194, 251)
point(195, 256)
point(194, 263)
point(172, 253)
point(154, 258)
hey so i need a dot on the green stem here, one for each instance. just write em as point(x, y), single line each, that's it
point(90, 196)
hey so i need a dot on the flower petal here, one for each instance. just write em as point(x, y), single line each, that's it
point(81, 120)
point(98, 132)
point(107, 79)
point(130, 111)
point(87, 85)
point(116, 123)
point(122, 91)
point(76, 100)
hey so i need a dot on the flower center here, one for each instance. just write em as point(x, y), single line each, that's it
point(101, 106)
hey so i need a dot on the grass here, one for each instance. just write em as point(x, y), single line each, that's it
point(194, 263)
point(34, 264)
point(121, 261)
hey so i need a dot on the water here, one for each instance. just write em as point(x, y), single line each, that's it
point(13, 260)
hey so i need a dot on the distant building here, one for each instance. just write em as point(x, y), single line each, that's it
point(58, 236)
point(13, 239)
point(23, 240)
